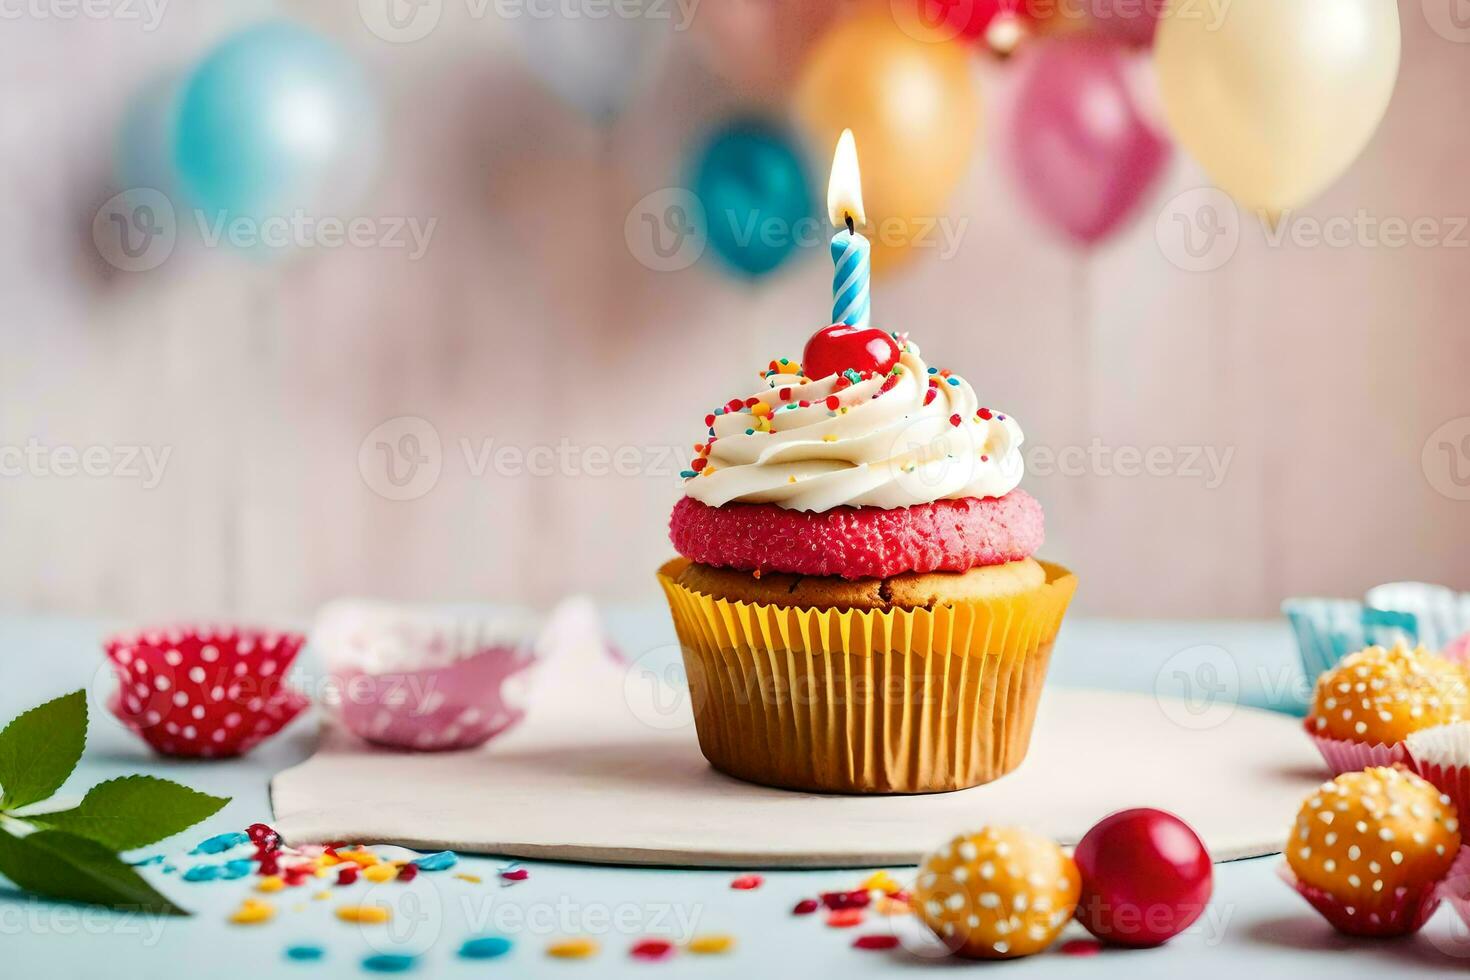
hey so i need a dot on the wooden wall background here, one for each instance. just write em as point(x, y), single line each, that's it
point(1324, 370)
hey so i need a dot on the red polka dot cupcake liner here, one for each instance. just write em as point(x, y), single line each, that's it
point(1397, 913)
point(204, 692)
point(1455, 889)
point(1344, 755)
point(421, 680)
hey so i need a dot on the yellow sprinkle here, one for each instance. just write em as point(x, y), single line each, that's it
point(791, 479)
point(829, 438)
point(367, 914)
point(572, 949)
point(322, 872)
point(707, 471)
point(252, 913)
point(712, 944)
point(270, 883)
point(890, 906)
point(883, 882)
point(760, 408)
point(322, 896)
point(380, 873)
point(472, 879)
point(327, 860)
point(363, 859)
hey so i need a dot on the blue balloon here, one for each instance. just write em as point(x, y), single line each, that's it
point(145, 140)
point(753, 183)
point(274, 120)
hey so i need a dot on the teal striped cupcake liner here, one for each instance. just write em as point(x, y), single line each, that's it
point(1329, 629)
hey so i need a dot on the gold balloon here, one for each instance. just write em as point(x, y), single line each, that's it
point(1276, 98)
point(911, 103)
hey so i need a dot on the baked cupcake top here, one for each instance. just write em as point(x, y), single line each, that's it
point(1380, 696)
point(1365, 834)
point(876, 426)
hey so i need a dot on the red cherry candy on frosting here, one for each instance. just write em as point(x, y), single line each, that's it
point(1146, 877)
point(839, 347)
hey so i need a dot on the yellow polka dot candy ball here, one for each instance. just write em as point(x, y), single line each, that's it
point(997, 894)
point(1369, 849)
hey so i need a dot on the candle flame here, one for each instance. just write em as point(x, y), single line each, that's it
point(845, 189)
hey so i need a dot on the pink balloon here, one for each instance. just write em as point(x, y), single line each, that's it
point(1134, 21)
point(1083, 154)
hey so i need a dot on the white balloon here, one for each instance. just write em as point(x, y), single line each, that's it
point(594, 58)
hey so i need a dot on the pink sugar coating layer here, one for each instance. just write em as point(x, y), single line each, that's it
point(861, 542)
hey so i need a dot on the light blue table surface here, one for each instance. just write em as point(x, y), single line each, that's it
point(1255, 927)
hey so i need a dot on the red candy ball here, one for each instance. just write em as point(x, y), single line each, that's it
point(1145, 878)
point(839, 347)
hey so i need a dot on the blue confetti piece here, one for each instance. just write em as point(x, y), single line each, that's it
point(239, 868)
point(389, 963)
point(155, 859)
point(442, 861)
point(204, 872)
point(220, 843)
point(305, 954)
point(485, 948)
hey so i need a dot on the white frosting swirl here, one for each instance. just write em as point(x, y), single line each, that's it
point(893, 448)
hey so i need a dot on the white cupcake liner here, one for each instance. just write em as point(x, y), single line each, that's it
point(1442, 756)
point(1441, 615)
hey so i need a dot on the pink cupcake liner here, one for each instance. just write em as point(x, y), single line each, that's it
point(1344, 755)
point(1442, 756)
point(1399, 913)
point(1455, 889)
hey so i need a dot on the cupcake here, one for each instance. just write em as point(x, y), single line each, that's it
point(1370, 848)
point(858, 602)
point(1366, 706)
point(422, 678)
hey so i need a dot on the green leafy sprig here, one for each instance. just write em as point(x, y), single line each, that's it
point(72, 854)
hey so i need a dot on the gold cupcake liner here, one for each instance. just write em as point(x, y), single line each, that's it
point(862, 701)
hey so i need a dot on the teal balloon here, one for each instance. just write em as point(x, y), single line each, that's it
point(274, 120)
point(756, 193)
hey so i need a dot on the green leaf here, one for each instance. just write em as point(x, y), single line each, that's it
point(132, 812)
point(39, 749)
point(74, 869)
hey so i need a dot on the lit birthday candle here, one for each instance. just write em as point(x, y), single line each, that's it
point(851, 252)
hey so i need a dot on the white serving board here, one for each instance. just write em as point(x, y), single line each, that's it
point(600, 772)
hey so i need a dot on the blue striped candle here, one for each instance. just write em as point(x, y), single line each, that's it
point(851, 255)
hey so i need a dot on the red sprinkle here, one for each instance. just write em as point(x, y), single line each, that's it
point(270, 863)
point(709, 420)
point(1080, 947)
point(929, 395)
point(806, 906)
point(833, 401)
point(955, 420)
point(734, 405)
point(297, 875)
point(845, 918)
point(785, 394)
point(846, 900)
point(746, 883)
point(752, 402)
point(347, 875)
point(408, 872)
point(984, 413)
point(515, 874)
point(652, 949)
point(264, 837)
point(698, 464)
point(876, 942)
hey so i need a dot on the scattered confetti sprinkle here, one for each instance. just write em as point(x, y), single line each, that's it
point(154, 859)
point(847, 900)
point(652, 950)
point(442, 861)
point(408, 872)
point(1080, 947)
point(845, 918)
point(881, 881)
point(305, 954)
point(380, 873)
point(875, 941)
point(263, 837)
point(806, 906)
point(322, 896)
point(270, 883)
point(472, 879)
point(485, 948)
point(513, 875)
point(220, 843)
point(572, 949)
point(389, 963)
point(347, 875)
point(366, 914)
point(204, 872)
point(711, 945)
point(747, 883)
point(253, 912)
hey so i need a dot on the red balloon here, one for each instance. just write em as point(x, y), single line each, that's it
point(967, 18)
point(1146, 877)
point(1082, 152)
point(839, 347)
